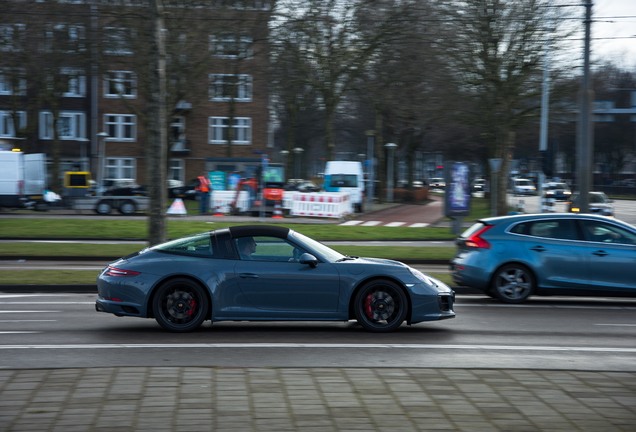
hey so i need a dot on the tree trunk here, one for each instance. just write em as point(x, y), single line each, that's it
point(157, 144)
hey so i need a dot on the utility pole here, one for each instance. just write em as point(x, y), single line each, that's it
point(585, 141)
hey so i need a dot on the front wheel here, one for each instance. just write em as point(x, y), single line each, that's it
point(180, 305)
point(513, 283)
point(381, 306)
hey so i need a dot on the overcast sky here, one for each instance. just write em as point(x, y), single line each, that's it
point(615, 22)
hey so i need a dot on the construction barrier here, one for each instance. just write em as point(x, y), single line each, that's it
point(317, 204)
point(323, 204)
point(222, 200)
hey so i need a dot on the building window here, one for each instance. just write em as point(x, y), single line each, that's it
point(12, 37)
point(71, 125)
point(220, 128)
point(231, 46)
point(66, 38)
point(177, 134)
point(75, 82)
point(8, 122)
point(120, 127)
point(225, 87)
point(176, 170)
point(120, 169)
point(120, 84)
point(118, 41)
point(12, 83)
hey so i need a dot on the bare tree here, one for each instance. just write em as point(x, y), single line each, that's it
point(335, 43)
point(497, 49)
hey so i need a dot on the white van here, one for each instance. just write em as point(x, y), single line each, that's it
point(22, 179)
point(346, 176)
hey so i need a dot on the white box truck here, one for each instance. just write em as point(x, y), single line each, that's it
point(22, 180)
point(346, 176)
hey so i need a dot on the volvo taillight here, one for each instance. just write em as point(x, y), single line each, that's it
point(476, 240)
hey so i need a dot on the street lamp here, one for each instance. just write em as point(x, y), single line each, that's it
point(101, 140)
point(389, 175)
point(283, 156)
point(298, 152)
point(370, 168)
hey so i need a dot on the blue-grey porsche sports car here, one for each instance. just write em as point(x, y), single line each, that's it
point(266, 273)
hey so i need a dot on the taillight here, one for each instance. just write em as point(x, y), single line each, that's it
point(476, 241)
point(114, 271)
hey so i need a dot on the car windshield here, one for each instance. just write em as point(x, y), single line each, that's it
point(325, 252)
point(597, 198)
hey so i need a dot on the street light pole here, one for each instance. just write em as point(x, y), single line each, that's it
point(389, 175)
point(298, 151)
point(101, 140)
point(370, 168)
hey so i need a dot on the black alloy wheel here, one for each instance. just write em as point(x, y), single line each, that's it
point(381, 306)
point(180, 305)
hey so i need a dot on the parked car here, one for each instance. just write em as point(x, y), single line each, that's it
point(598, 203)
point(266, 273)
point(125, 188)
point(479, 185)
point(560, 191)
point(514, 257)
point(523, 186)
point(436, 184)
point(185, 191)
point(301, 185)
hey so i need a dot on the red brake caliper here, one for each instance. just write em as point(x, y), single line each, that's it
point(367, 306)
point(192, 308)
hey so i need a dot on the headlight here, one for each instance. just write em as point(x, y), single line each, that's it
point(421, 276)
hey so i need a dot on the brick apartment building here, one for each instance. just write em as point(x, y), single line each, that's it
point(82, 65)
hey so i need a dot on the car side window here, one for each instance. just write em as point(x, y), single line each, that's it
point(557, 229)
point(598, 231)
point(199, 245)
point(271, 249)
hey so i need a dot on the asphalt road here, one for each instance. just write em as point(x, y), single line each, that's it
point(63, 330)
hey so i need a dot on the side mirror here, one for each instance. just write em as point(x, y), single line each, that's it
point(309, 259)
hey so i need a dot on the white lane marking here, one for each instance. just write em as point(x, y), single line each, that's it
point(29, 311)
point(395, 224)
point(327, 346)
point(372, 223)
point(617, 325)
point(351, 222)
point(18, 332)
point(419, 225)
point(46, 303)
point(21, 321)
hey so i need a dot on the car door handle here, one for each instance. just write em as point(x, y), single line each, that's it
point(248, 275)
point(538, 249)
point(600, 253)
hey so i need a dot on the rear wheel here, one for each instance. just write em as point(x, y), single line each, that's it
point(180, 305)
point(127, 208)
point(103, 208)
point(381, 306)
point(513, 283)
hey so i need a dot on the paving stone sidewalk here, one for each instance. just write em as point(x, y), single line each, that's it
point(315, 399)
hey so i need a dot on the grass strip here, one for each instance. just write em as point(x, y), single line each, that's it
point(112, 229)
point(20, 250)
point(87, 277)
